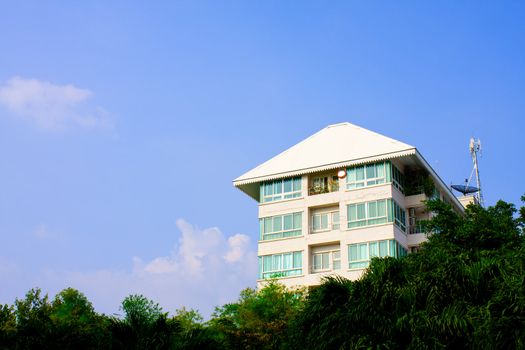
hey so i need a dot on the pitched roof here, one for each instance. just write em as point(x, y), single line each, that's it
point(335, 146)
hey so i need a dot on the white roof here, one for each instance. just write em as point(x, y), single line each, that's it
point(335, 146)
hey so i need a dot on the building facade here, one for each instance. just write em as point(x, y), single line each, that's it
point(337, 199)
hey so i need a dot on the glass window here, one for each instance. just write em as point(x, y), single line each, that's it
point(297, 259)
point(280, 189)
point(326, 261)
point(277, 223)
point(287, 261)
point(296, 184)
point(359, 254)
point(380, 170)
point(317, 261)
point(350, 176)
point(316, 222)
point(325, 221)
point(372, 209)
point(335, 220)
point(399, 216)
point(369, 213)
point(361, 212)
point(276, 185)
point(288, 222)
point(297, 218)
point(392, 250)
point(352, 212)
point(371, 171)
point(267, 263)
point(368, 175)
point(281, 226)
point(398, 179)
point(280, 265)
point(268, 227)
point(360, 173)
point(374, 249)
point(352, 252)
point(381, 208)
point(288, 185)
point(268, 189)
point(383, 248)
point(336, 258)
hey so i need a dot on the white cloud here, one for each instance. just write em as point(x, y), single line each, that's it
point(51, 106)
point(204, 269)
point(238, 247)
point(42, 232)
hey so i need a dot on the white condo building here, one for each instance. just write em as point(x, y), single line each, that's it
point(336, 199)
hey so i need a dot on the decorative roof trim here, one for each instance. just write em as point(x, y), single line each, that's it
point(385, 156)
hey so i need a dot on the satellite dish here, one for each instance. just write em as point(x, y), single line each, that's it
point(465, 189)
point(341, 174)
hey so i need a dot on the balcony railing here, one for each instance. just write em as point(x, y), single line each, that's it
point(334, 266)
point(331, 227)
point(331, 187)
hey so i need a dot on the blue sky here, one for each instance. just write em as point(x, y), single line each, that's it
point(122, 125)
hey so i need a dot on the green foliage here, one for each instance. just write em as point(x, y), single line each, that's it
point(194, 333)
point(259, 319)
point(417, 182)
point(188, 319)
point(33, 318)
point(69, 322)
point(465, 289)
point(140, 311)
point(144, 326)
point(76, 324)
point(7, 327)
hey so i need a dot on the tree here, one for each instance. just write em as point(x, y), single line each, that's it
point(33, 318)
point(464, 289)
point(145, 325)
point(76, 325)
point(194, 334)
point(7, 327)
point(259, 320)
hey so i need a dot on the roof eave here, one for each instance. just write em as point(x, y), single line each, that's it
point(240, 181)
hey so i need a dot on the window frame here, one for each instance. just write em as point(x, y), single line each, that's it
point(367, 220)
point(277, 188)
point(331, 260)
point(296, 217)
point(281, 271)
point(330, 224)
point(390, 174)
point(393, 249)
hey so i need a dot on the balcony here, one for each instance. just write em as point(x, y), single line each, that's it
point(326, 261)
point(324, 220)
point(416, 216)
point(415, 200)
point(320, 184)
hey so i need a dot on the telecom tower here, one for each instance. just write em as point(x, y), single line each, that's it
point(474, 148)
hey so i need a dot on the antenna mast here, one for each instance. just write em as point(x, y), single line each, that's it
point(475, 148)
